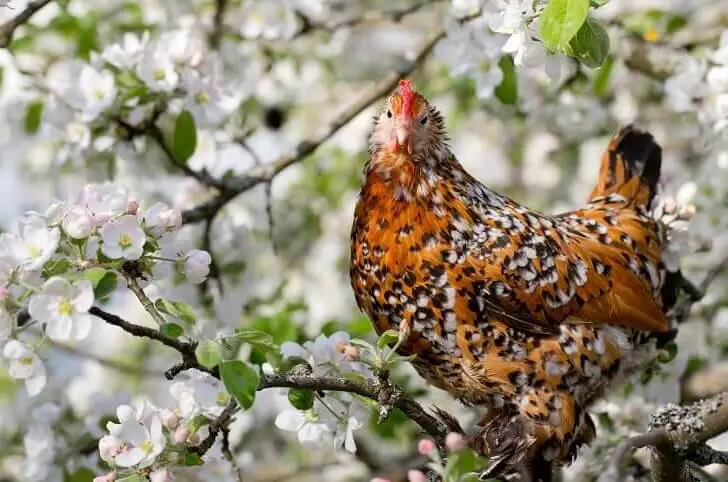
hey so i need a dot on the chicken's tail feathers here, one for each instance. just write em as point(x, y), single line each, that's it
point(630, 167)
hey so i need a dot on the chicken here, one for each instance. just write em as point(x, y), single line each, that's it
point(531, 315)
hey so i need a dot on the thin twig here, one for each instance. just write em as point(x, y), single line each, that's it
point(222, 421)
point(185, 348)
point(218, 21)
point(148, 305)
point(228, 454)
point(8, 29)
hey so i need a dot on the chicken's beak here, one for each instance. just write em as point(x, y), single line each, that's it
point(402, 134)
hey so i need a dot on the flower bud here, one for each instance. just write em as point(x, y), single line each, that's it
point(416, 476)
point(180, 435)
point(110, 477)
point(425, 446)
point(170, 419)
point(161, 475)
point(4, 293)
point(454, 442)
point(197, 265)
point(132, 207)
point(79, 223)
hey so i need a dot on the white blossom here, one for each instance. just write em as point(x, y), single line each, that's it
point(63, 307)
point(99, 92)
point(123, 238)
point(127, 53)
point(200, 394)
point(161, 219)
point(34, 243)
point(157, 71)
point(104, 201)
point(141, 441)
point(78, 222)
point(309, 430)
point(25, 365)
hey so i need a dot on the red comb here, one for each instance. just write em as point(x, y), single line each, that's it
point(408, 96)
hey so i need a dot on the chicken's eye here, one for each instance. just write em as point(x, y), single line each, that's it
point(389, 114)
point(424, 120)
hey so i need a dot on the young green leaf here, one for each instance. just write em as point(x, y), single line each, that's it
point(590, 45)
point(387, 338)
point(57, 267)
point(258, 339)
point(184, 141)
point(171, 330)
point(178, 309)
point(300, 398)
point(507, 91)
point(602, 76)
point(561, 20)
point(106, 285)
point(33, 117)
point(241, 381)
point(208, 354)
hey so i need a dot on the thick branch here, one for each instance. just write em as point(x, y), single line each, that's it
point(8, 29)
point(676, 434)
point(378, 390)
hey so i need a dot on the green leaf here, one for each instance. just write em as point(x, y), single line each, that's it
point(184, 141)
point(669, 352)
point(590, 45)
point(94, 275)
point(171, 330)
point(178, 309)
point(602, 76)
point(57, 267)
point(694, 364)
point(192, 459)
point(33, 116)
point(106, 285)
point(507, 91)
point(387, 338)
point(300, 398)
point(197, 422)
point(258, 339)
point(241, 381)
point(183, 311)
point(81, 475)
point(561, 20)
point(208, 354)
point(104, 281)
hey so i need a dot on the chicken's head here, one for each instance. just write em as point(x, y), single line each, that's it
point(408, 124)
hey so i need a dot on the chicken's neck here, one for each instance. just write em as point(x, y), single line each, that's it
point(397, 178)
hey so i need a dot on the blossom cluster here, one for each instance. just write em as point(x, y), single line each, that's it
point(155, 440)
point(55, 265)
point(340, 414)
point(504, 27)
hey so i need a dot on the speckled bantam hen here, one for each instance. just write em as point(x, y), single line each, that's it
point(528, 314)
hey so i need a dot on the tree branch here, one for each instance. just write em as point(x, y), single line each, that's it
point(218, 23)
point(8, 29)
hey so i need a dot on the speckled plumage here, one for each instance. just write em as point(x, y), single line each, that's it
point(531, 315)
